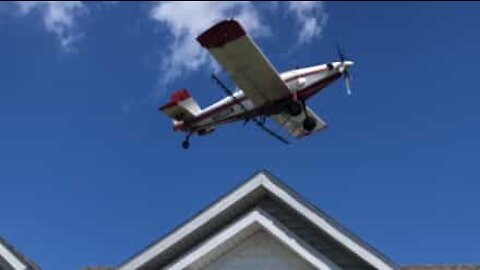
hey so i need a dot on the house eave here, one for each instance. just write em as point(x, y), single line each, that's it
point(262, 182)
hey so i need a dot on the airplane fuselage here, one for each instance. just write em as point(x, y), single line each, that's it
point(303, 83)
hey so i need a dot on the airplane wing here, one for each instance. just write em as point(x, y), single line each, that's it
point(247, 66)
point(294, 124)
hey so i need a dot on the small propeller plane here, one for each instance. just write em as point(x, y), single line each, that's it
point(262, 92)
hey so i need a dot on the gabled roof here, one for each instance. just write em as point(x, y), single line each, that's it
point(99, 268)
point(266, 192)
point(443, 267)
point(256, 220)
point(11, 258)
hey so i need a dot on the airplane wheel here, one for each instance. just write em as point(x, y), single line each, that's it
point(294, 108)
point(309, 124)
point(185, 144)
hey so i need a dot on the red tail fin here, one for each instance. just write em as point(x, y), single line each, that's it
point(181, 106)
point(177, 97)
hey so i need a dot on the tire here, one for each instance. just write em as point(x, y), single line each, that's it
point(294, 108)
point(185, 144)
point(309, 124)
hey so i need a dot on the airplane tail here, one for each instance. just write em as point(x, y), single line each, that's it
point(182, 107)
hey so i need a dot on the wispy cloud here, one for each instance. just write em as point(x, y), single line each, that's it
point(310, 17)
point(186, 20)
point(59, 18)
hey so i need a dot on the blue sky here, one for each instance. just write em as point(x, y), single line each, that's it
point(91, 172)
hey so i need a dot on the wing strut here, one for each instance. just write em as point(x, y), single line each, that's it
point(260, 124)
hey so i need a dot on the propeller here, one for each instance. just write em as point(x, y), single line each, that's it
point(344, 70)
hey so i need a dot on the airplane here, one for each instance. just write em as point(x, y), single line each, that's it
point(261, 91)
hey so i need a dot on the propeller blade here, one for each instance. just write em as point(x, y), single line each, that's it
point(348, 79)
point(343, 69)
point(349, 90)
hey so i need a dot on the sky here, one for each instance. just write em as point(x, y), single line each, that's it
point(91, 172)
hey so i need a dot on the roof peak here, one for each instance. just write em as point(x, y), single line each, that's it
point(260, 184)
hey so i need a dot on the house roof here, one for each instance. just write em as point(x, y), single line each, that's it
point(443, 267)
point(99, 268)
point(267, 192)
point(255, 221)
point(14, 258)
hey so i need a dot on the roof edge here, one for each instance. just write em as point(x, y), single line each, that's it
point(19, 258)
point(263, 179)
point(260, 218)
point(239, 185)
point(282, 184)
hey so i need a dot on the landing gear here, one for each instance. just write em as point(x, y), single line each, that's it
point(186, 142)
point(294, 108)
point(297, 107)
point(309, 124)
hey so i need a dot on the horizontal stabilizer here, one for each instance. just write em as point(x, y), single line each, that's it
point(182, 107)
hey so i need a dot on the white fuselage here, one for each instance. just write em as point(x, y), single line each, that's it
point(303, 82)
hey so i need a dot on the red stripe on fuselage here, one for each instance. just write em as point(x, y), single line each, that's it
point(229, 119)
point(209, 113)
point(316, 87)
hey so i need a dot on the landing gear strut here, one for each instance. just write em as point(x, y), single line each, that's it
point(186, 142)
point(294, 108)
point(309, 123)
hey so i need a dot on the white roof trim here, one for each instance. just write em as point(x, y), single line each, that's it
point(11, 259)
point(327, 227)
point(198, 221)
point(263, 220)
point(257, 181)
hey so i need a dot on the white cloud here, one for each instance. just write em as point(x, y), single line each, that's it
point(311, 18)
point(59, 17)
point(186, 20)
